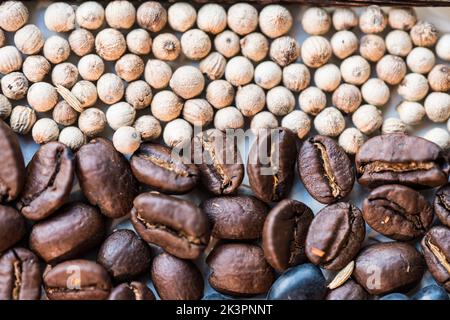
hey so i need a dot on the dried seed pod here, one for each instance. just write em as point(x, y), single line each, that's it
point(65, 74)
point(110, 88)
point(398, 43)
point(151, 16)
point(437, 106)
point(351, 139)
point(60, 17)
point(268, 74)
point(64, 114)
point(92, 122)
point(344, 43)
point(263, 120)
point(439, 78)
point(45, 130)
point(280, 101)
point(13, 15)
point(228, 118)
point(284, 50)
point(355, 70)
point(72, 137)
point(367, 119)
point(344, 19)
point(316, 21)
point(414, 87)
point(213, 66)
point(255, 46)
point(391, 69)
point(250, 99)
point(195, 44)
point(411, 113)
point(372, 47)
point(42, 96)
point(443, 47)
point(22, 119)
point(227, 43)
point(86, 93)
point(110, 44)
point(14, 85)
point(5, 107)
point(36, 68)
point(29, 39)
point(120, 14)
point(329, 122)
point(166, 46)
point(157, 74)
point(312, 100)
point(139, 94)
point(298, 122)
point(242, 18)
point(181, 16)
point(402, 18)
point(139, 42)
point(212, 18)
point(130, 67)
point(296, 77)
point(187, 82)
point(372, 20)
point(69, 98)
point(316, 51)
point(10, 59)
point(424, 34)
point(82, 42)
point(275, 20)
point(90, 15)
point(327, 77)
point(177, 133)
point(198, 112)
point(148, 127)
point(126, 140)
point(347, 98)
point(91, 67)
point(166, 106)
point(220, 94)
point(375, 92)
point(421, 60)
point(393, 125)
point(120, 115)
point(56, 49)
point(439, 136)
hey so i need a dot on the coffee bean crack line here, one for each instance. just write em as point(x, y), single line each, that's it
point(295, 245)
point(381, 166)
point(17, 279)
point(438, 254)
point(165, 165)
point(329, 174)
point(276, 179)
point(223, 177)
point(443, 201)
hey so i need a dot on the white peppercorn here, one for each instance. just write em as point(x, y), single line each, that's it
point(414, 87)
point(36, 68)
point(195, 44)
point(120, 14)
point(284, 50)
point(296, 77)
point(126, 140)
point(344, 19)
point(139, 42)
point(148, 127)
point(120, 115)
point(280, 101)
point(250, 99)
point(239, 71)
point(424, 34)
point(355, 70)
point(157, 73)
point(439, 78)
point(212, 18)
point(391, 69)
point(298, 122)
point(220, 94)
point(13, 15)
point(268, 74)
point(139, 94)
point(347, 98)
point(312, 100)
point(82, 42)
point(316, 51)
point(22, 119)
point(402, 18)
point(92, 122)
point(177, 133)
point(255, 46)
point(393, 125)
point(375, 92)
point(227, 43)
point(64, 114)
point(166, 106)
point(316, 21)
point(242, 18)
point(86, 93)
point(65, 74)
point(367, 119)
point(130, 67)
point(398, 42)
point(443, 47)
point(56, 49)
point(29, 39)
point(166, 46)
point(198, 112)
point(187, 82)
point(151, 16)
point(5, 107)
point(181, 16)
point(329, 122)
point(437, 106)
point(72, 137)
point(372, 47)
point(439, 136)
point(60, 17)
point(327, 77)
point(110, 44)
point(14, 85)
point(421, 60)
point(351, 140)
point(344, 43)
point(45, 130)
point(91, 67)
point(372, 20)
point(90, 15)
point(411, 113)
point(110, 88)
point(228, 118)
point(10, 59)
point(275, 20)
point(213, 66)
point(263, 120)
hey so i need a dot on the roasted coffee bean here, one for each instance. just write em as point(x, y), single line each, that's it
point(303, 282)
point(49, 181)
point(442, 205)
point(75, 229)
point(284, 234)
point(271, 164)
point(105, 178)
point(12, 227)
point(77, 280)
point(401, 159)
point(219, 161)
point(335, 236)
point(124, 255)
point(398, 212)
point(155, 166)
point(131, 291)
point(325, 169)
point(20, 275)
point(436, 250)
point(235, 217)
point(350, 290)
point(178, 226)
point(12, 169)
point(395, 296)
point(176, 279)
point(387, 267)
point(431, 292)
point(239, 269)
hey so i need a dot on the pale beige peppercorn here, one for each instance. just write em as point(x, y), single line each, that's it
point(398, 42)
point(22, 119)
point(421, 60)
point(437, 106)
point(411, 113)
point(255, 46)
point(372, 47)
point(151, 16)
point(14, 85)
point(177, 133)
point(344, 19)
point(312, 100)
point(213, 66)
point(393, 125)
point(280, 101)
point(187, 82)
point(275, 20)
point(296, 77)
point(45, 130)
point(72, 137)
point(120, 114)
point(439, 136)
point(351, 140)
point(139, 94)
point(110, 44)
point(36, 68)
point(29, 39)
point(344, 43)
point(242, 18)
point(402, 18)
point(372, 20)
point(391, 69)
point(65, 74)
point(90, 15)
point(316, 21)
point(166, 46)
point(228, 118)
point(166, 106)
point(424, 34)
point(13, 15)
point(91, 67)
point(367, 119)
point(227, 43)
point(268, 74)
point(198, 112)
point(148, 127)
point(414, 87)
point(355, 70)
point(86, 93)
point(316, 51)
point(110, 88)
point(212, 18)
point(284, 50)
point(220, 94)
point(56, 49)
point(298, 122)
point(375, 92)
point(195, 44)
point(443, 47)
point(92, 122)
point(64, 114)
point(263, 120)
point(120, 14)
point(139, 42)
point(60, 17)
point(327, 77)
point(82, 42)
point(157, 73)
point(347, 98)
point(126, 140)
point(181, 16)
point(5, 107)
point(439, 78)
point(329, 122)
point(250, 99)
point(130, 67)
point(10, 59)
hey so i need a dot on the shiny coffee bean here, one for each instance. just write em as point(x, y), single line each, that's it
point(432, 292)
point(235, 217)
point(154, 165)
point(20, 275)
point(219, 161)
point(75, 229)
point(176, 279)
point(271, 164)
point(178, 226)
point(12, 170)
point(131, 291)
point(303, 282)
point(335, 236)
point(388, 267)
point(442, 205)
point(436, 250)
point(12, 227)
point(77, 280)
point(49, 181)
point(398, 212)
point(401, 159)
point(124, 255)
point(239, 269)
point(284, 234)
point(105, 178)
point(350, 290)
point(325, 169)
point(395, 296)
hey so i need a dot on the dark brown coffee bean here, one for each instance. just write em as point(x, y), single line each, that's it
point(389, 267)
point(178, 226)
point(325, 169)
point(75, 229)
point(350, 290)
point(235, 217)
point(12, 227)
point(240, 269)
point(77, 280)
point(398, 212)
point(49, 181)
point(219, 161)
point(154, 165)
point(271, 164)
point(20, 275)
point(176, 279)
point(124, 255)
point(335, 236)
point(285, 233)
point(131, 291)
point(12, 169)
point(105, 178)
point(401, 159)
point(442, 204)
point(436, 250)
